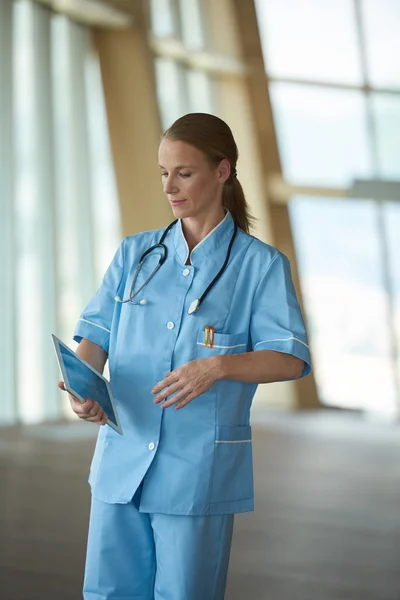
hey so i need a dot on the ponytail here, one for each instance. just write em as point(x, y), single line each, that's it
point(234, 200)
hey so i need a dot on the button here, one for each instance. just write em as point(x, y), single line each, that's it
point(152, 446)
point(170, 325)
point(186, 272)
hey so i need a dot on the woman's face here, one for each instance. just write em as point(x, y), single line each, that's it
point(192, 187)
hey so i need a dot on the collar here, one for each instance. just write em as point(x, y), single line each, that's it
point(209, 245)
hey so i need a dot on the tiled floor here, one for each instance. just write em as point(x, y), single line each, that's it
point(326, 526)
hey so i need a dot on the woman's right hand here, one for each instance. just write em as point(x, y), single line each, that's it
point(90, 410)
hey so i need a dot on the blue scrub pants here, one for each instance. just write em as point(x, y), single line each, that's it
point(140, 556)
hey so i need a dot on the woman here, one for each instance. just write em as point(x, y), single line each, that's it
point(184, 374)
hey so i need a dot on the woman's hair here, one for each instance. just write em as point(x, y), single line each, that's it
point(213, 137)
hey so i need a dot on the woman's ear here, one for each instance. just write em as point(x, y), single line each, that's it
point(224, 170)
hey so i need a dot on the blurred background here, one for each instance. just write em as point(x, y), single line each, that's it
point(311, 90)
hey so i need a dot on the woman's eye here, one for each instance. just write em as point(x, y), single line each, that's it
point(183, 175)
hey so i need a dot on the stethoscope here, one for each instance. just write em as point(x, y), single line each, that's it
point(195, 305)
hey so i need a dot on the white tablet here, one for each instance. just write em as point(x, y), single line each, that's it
point(83, 381)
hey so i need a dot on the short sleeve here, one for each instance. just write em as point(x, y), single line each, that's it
point(276, 322)
point(95, 321)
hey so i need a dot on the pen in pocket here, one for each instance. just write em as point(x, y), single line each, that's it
point(209, 336)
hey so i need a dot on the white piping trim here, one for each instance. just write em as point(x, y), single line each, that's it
point(211, 232)
point(204, 239)
point(186, 244)
point(95, 325)
point(231, 441)
point(215, 346)
point(282, 340)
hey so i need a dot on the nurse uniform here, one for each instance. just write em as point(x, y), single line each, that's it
point(164, 494)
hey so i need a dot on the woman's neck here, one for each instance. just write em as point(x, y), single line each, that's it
point(195, 230)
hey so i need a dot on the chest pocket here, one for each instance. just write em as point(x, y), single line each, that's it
point(224, 343)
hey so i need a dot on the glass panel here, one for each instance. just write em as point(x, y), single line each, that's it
point(192, 24)
point(322, 134)
point(381, 20)
point(107, 227)
point(339, 258)
point(200, 91)
point(163, 18)
point(387, 118)
point(392, 223)
point(310, 39)
point(29, 300)
point(171, 90)
point(7, 259)
point(106, 213)
point(70, 264)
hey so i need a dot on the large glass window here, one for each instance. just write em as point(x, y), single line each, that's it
point(64, 198)
point(334, 85)
point(327, 136)
point(340, 262)
point(322, 133)
point(392, 223)
point(33, 191)
point(179, 19)
point(300, 39)
point(182, 86)
point(381, 20)
point(164, 18)
point(192, 27)
point(171, 90)
point(386, 111)
point(200, 88)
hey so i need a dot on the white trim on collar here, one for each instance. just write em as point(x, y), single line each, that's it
point(184, 239)
point(205, 238)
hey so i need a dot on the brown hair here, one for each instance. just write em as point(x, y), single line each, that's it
point(213, 137)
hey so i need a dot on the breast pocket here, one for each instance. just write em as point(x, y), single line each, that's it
point(224, 343)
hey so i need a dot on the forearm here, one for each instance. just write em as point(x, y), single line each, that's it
point(264, 366)
point(92, 354)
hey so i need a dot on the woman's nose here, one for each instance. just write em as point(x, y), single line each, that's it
point(170, 186)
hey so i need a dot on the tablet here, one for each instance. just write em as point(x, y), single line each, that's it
point(83, 381)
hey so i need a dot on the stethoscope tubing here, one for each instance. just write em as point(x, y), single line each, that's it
point(196, 303)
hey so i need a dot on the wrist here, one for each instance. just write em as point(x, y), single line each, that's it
point(217, 367)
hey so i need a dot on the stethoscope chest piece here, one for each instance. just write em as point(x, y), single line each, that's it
point(194, 306)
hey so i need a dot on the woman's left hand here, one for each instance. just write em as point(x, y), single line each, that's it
point(186, 383)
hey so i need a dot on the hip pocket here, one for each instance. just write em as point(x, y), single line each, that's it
point(233, 464)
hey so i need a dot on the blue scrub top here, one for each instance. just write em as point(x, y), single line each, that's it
point(197, 460)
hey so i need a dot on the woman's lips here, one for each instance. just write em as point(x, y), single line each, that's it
point(176, 202)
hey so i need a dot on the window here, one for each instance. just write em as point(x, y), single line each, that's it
point(340, 262)
point(335, 94)
point(322, 134)
point(182, 86)
point(171, 90)
point(381, 20)
point(386, 111)
point(300, 39)
point(200, 86)
point(179, 19)
point(60, 196)
point(164, 18)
